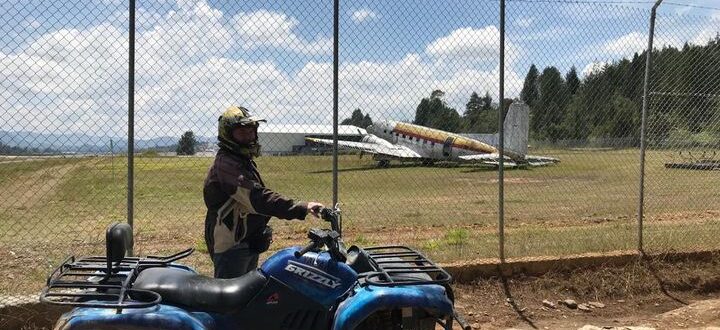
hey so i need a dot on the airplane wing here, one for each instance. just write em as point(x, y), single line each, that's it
point(494, 159)
point(489, 159)
point(540, 160)
point(372, 148)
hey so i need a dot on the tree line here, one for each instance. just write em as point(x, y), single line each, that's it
point(13, 150)
point(607, 102)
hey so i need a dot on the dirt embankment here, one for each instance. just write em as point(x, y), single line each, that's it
point(655, 294)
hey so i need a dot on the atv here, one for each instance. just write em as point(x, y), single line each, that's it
point(320, 286)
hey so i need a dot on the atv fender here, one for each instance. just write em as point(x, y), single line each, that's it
point(151, 318)
point(370, 299)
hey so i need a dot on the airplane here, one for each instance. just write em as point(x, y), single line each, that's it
point(394, 140)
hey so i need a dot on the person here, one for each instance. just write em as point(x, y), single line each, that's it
point(239, 205)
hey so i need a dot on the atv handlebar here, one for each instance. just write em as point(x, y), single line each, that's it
point(331, 238)
point(332, 215)
point(305, 249)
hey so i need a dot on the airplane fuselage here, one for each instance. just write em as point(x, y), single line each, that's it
point(394, 140)
point(428, 142)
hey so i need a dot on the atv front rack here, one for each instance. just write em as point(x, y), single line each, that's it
point(89, 282)
point(401, 265)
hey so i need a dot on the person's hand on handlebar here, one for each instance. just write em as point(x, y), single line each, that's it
point(314, 208)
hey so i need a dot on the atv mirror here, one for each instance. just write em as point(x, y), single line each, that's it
point(118, 240)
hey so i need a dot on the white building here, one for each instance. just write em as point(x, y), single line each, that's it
point(281, 139)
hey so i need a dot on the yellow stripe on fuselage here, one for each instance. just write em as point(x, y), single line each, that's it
point(439, 136)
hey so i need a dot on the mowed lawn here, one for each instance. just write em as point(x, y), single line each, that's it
point(586, 203)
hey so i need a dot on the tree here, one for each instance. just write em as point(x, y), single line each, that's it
point(187, 144)
point(530, 92)
point(487, 102)
point(549, 112)
point(358, 119)
point(437, 94)
point(422, 112)
point(367, 121)
point(472, 112)
point(572, 81)
point(433, 112)
point(480, 115)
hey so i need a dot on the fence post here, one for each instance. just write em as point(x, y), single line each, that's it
point(501, 137)
point(648, 58)
point(336, 35)
point(131, 117)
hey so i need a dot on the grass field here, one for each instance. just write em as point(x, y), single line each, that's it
point(587, 203)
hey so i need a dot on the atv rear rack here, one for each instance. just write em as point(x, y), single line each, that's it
point(95, 282)
point(401, 265)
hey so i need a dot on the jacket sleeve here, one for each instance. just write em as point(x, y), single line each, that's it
point(254, 198)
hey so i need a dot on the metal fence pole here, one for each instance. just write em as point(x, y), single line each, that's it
point(131, 117)
point(336, 34)
point(646, 83)
point(501, 137)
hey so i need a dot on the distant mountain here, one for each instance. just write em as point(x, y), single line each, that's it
point(84, 143)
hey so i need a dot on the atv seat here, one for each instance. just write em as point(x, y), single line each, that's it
point(200, 292)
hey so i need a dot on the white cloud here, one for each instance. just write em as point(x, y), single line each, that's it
point(267, 28)
point(708, 31)
point(636, 42)
point(193, 34)
point(363, 15)
point(704, 36)
point(187, 73)
point(70, 62)
point(471, 48)
point(467, 42)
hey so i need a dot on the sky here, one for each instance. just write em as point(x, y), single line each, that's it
point(63, 66)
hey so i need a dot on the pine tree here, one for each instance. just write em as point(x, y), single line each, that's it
point(358, 119)
point(487, 102)
point(572, 81)
point(549, 111)
point(422, 112)
point(433, 112)
point(367, 121)
point(530, 92)
point(472, 112)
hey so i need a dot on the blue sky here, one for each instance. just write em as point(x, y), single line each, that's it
point(195, 57)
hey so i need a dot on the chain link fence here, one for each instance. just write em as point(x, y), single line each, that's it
point(64, 127)
point(683, 136)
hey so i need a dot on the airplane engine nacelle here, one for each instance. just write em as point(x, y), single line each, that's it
point(369, 138)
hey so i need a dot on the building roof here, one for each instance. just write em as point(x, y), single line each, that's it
point(310, 129)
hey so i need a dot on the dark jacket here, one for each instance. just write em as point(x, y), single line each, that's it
point(239, 206)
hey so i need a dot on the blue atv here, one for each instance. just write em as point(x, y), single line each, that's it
point(320, 286)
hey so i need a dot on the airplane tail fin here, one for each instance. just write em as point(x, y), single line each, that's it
point(517, 126)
